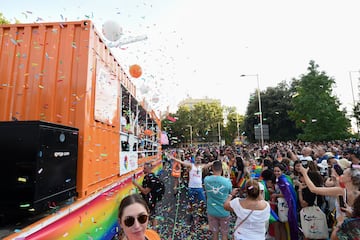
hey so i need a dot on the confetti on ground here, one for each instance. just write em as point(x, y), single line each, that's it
point(181, 226)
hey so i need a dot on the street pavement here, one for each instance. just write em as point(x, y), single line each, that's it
point(174, 222)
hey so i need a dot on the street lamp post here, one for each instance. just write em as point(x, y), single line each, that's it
point(237, 127)
point(353, 97)
point(259, 100)
point(191, 133)
point(219, 129)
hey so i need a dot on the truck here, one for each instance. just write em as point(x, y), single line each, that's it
point(72, 132)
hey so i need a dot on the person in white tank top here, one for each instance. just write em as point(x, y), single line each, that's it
point(196, 190)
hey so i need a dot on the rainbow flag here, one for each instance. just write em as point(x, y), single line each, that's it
point(257, 171)
point(273, 216)
point(266, 191)
point(287, 189)
point(241, 183)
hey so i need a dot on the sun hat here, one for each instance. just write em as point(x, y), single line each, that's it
point(344, 163)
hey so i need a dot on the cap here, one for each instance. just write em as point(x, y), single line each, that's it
point(261, 187)
point(329, 155)
point(344, 163)
point(323, 164)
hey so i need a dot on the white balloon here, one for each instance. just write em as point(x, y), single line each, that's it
point(144, 89)
point(112, 30)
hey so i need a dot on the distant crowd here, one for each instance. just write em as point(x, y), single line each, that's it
point(270, 190)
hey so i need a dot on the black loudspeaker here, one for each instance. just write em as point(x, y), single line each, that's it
point(38, 166)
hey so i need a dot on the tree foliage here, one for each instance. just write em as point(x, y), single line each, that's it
point(316, 111)
point(306, 110)
point(234, 125)
point(201, 123)
point(356, 115)
point(3, 20)
point(276, 103)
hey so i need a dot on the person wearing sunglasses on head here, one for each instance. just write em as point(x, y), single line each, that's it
point(133, 218)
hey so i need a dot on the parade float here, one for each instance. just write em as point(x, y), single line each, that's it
point(72, 132)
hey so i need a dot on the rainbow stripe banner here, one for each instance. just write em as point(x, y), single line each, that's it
point(273, 216)
point(287, 189)
point(97, 219)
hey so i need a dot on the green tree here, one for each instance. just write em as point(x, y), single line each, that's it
point(206, 120)
point(200, 124)
point(356, 115)
point(276, 103)
point(3, 20)
point(316, 111)
point(251, 118)
point(234, 125)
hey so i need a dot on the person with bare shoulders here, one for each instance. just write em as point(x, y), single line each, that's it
point(252, 213)
point(350, 228)
point(196, 190)
point(347, 189)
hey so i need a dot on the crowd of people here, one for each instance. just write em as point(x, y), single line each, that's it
point(265, 188)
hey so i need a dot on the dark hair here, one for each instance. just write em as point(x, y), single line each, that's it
point(148, 164)
point(239, 163)
point(252, 188)
point(316, 178)
point(312, 166)
point(296, 173)
point(356, 207)
point(217, 166)
point(281, 166)
point(267, 175)
point(131, 199)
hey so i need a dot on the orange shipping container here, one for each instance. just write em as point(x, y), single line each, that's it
point(63, 73)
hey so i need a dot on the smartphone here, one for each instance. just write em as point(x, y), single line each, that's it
point(304, 163)
point(341, 202)
point(329, 171)
point(338, 169)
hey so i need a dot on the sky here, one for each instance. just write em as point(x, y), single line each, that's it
point(200, 48)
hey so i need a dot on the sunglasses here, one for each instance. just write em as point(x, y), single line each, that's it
point(130, 220)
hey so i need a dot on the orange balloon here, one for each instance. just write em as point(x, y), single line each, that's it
point(135, 71)
point(148, 132)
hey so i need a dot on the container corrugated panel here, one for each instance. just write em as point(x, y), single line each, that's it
point(49, 72)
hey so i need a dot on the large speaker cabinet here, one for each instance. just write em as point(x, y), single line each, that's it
point(38, 166)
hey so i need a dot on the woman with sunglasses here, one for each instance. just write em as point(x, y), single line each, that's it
point(133, 219)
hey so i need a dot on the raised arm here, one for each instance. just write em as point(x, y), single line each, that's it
point(227, 206)
point(324, 191)
point(207, 165)
point(186, 164)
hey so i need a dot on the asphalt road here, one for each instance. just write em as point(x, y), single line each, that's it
point(174, 220)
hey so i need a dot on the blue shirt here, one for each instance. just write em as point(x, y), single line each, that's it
point(217, 189)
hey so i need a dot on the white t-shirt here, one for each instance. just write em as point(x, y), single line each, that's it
point(195, 177)
point(123, 121)
point(253, 228)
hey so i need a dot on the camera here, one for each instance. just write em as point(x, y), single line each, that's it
point(304, 163)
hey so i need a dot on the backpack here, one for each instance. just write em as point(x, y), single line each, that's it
point(159, 189)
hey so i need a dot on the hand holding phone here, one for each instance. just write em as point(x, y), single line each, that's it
point(304, 163)
point(341, 203)
point(338, 169)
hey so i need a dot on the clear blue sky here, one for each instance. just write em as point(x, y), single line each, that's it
point(200, 48)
